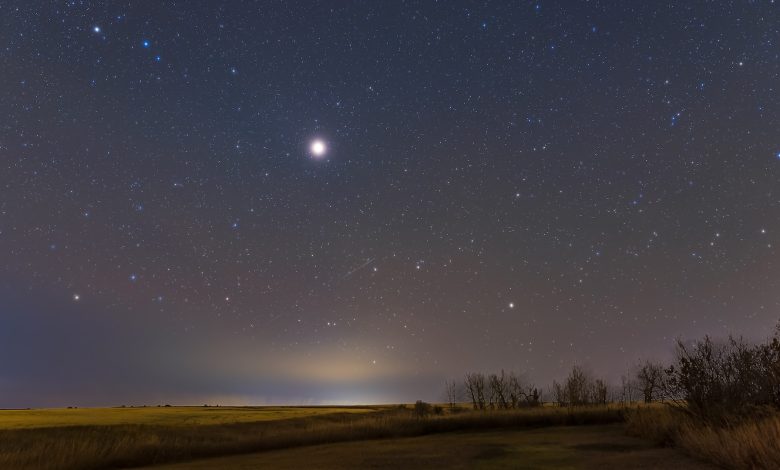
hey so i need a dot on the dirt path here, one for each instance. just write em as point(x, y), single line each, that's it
point(596, 447)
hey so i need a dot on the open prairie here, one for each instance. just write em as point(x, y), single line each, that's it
point(162, 415)
point(334, 437)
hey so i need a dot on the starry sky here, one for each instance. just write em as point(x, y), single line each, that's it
point(348, 202)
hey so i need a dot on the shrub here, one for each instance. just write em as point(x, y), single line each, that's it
point(720, 381)
point(748, 444)
point(422, 409)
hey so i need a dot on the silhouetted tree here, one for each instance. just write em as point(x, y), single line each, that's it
point(649, 378)
point(422, 409)
point(628, 388)
point(499, 390)
point(577, 387)
point(599, 396)
point(559, 393)
point(475, 388)
point(714, 381)
point(451, 390)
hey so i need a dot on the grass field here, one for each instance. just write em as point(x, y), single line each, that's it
point(165, 416)
point(379, 437)
point(554, 447)
point(127, 437)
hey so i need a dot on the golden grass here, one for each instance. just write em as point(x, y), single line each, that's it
point(173, 416)
point(123, 445)
point(745, 444)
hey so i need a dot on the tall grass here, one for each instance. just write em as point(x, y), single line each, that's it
point(96, 447)
point(740, 444)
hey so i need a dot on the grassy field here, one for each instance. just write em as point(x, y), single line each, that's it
point(595, 447)
point(389, 437)
point(164, 416)
point(185, 434)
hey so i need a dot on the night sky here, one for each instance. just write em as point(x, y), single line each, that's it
point(339, 202)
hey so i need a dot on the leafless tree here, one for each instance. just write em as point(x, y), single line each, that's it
point(521, 394)
point(499, 390)
point(599, 392)
point(650, 377)
point(475, 388)
point(559, 394)
point(515, 388)
point(628, 389)
point(451, 389)
point(577, 387)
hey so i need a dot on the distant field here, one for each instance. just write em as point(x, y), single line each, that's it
point(596, 447)
point(164, 416)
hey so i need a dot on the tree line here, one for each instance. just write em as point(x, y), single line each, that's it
point(707, 379)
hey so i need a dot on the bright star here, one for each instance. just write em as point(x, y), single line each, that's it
point(96, 29)
point(318, 148)
point(76, 297)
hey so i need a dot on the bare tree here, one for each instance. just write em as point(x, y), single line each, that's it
point(577, 387)
point(628, 389)
point(650, 377)
point(499, 390)
point(515, 388)
point(475, 388)
point(451, 389)
point(599, 392)
point(521, 394)
point(559, 394)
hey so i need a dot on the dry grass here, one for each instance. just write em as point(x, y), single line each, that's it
point(164, 415)
point(125, 445)
point(745, 444)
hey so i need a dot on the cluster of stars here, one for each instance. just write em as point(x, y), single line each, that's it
point(468, 183)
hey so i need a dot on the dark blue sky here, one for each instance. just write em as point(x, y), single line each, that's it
point(519, 185)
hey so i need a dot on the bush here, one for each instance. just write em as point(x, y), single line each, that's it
point(717, 382)
point(749, 444)
point(422, 409)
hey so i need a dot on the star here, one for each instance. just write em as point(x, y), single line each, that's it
point(96, 29)
point(318, 148)
point(76, 297)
